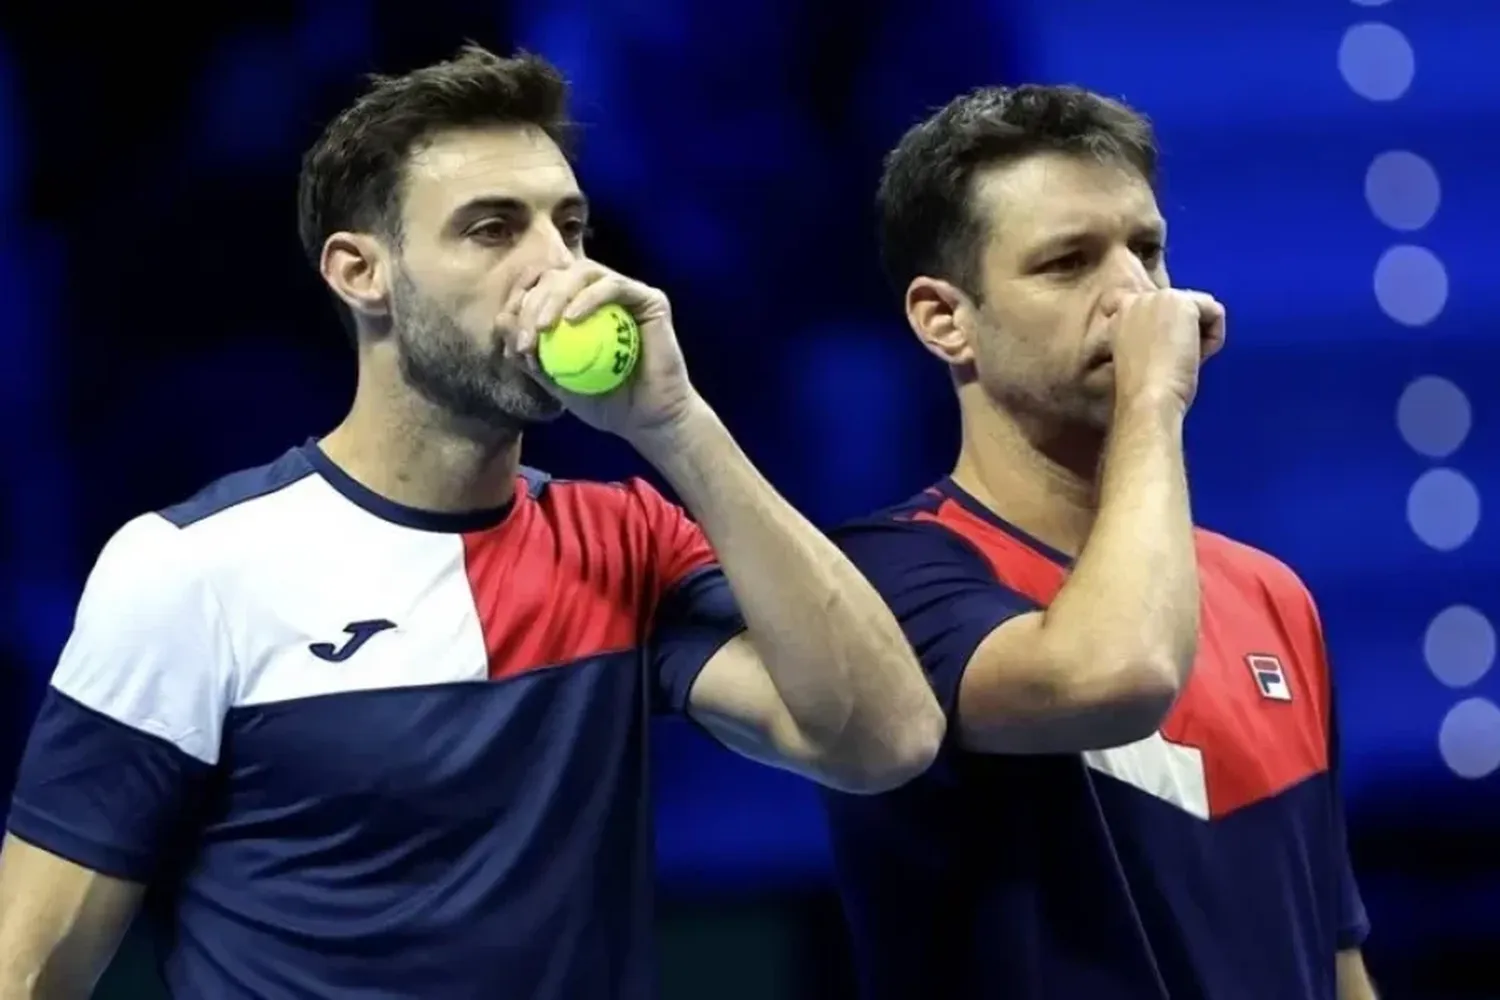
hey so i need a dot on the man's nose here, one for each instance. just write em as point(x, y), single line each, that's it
point(1127, 277)
point(551, 250)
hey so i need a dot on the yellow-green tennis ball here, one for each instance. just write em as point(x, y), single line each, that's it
point(594, 355)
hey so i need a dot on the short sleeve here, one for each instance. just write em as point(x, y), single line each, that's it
point(695, 612)
point(130, 725)
point(940, 590)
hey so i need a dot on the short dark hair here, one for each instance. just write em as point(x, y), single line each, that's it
point(352, 176)
point(927, 222)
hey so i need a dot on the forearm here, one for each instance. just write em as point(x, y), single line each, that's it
point(1132, 596)
point(832, 649)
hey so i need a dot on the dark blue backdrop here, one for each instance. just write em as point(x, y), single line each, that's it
point(159, 327)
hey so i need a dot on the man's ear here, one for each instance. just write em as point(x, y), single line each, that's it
point(942, 316)
point(357, 267)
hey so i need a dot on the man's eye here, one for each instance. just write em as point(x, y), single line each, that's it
point(1066, 263)
point(491, 231)
point(575, 231)
point(1150, 253)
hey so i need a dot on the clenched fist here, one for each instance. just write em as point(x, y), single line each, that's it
point(1160, 340)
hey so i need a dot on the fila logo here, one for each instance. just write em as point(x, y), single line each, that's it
point(1269, 676)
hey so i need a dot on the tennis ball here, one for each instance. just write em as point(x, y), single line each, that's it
point(594, 355)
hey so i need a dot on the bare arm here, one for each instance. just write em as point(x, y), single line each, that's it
point(60, 924)
point(1354, 979)
point(1102, 664)
point(824, 683)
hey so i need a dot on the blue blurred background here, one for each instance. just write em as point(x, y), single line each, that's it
point(1328, 174)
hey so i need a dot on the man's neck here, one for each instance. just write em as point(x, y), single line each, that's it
point(1046, 486)
point(398, 445)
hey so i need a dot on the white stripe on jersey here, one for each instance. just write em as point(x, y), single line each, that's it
point(178, 625)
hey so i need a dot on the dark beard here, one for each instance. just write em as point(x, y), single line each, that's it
point(445, 367)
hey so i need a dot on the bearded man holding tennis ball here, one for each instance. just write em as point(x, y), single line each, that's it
point(372, 718)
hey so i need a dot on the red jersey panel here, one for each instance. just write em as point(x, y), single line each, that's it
point(580, 575)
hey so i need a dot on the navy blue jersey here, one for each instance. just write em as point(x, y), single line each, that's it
point(359, 750)
point(1207, 862)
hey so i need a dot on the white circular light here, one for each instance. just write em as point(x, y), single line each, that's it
point(1403, 190)
point(1443, 509)
point(1459, 646)
point(1433, 416)
point(1376, 61)
point(1469, 739)
point(1411, 285)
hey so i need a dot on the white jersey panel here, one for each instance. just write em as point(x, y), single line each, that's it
point(150, 647)
point(322, 597)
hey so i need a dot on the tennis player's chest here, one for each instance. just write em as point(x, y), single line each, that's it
point(1250, 724)
point(418, 611)
point(371, 687)
point(416, 756)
